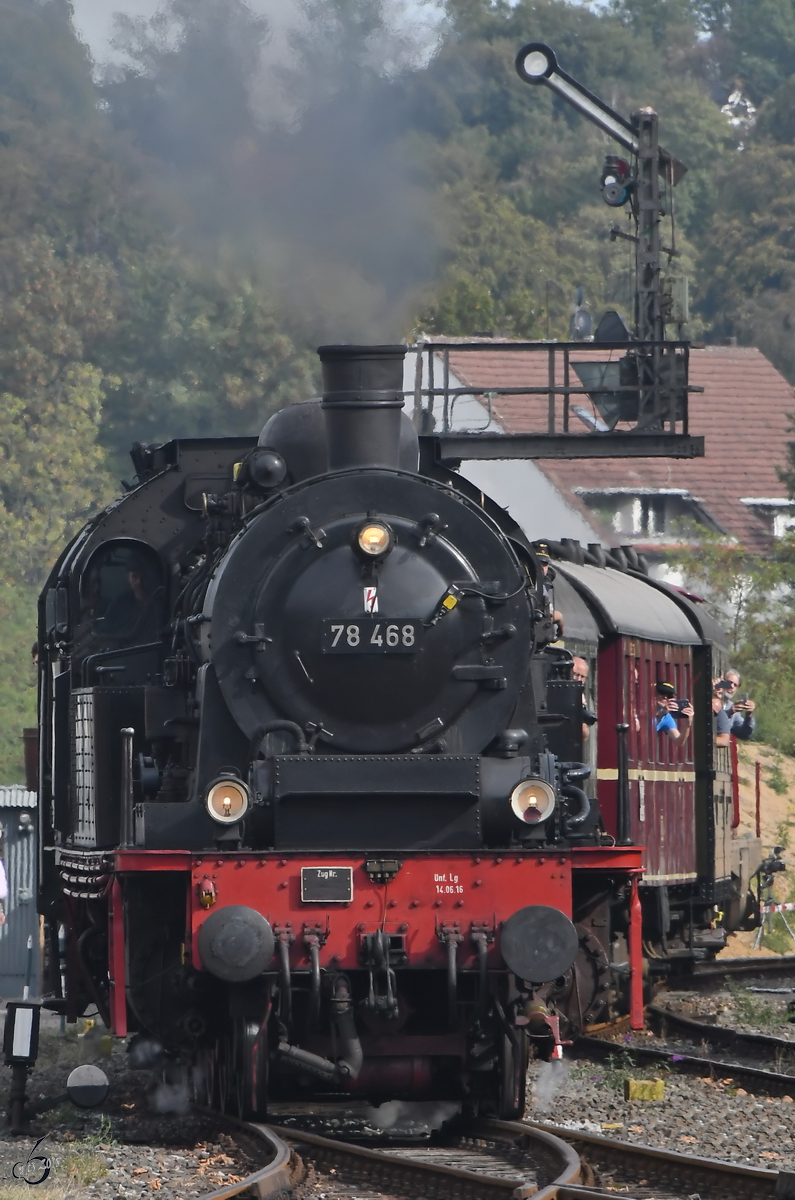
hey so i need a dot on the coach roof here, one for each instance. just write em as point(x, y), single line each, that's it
point(627, 604)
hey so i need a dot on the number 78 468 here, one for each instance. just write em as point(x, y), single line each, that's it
point(370, 636)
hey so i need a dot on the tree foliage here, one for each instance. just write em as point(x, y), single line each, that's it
point(176, 239)
point(753, 598)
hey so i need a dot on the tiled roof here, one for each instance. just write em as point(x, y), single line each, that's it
point(742, 414)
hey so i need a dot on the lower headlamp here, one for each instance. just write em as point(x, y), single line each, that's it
point(532, 801)
point(228, 800)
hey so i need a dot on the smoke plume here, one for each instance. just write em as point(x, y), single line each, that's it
point(279, 139)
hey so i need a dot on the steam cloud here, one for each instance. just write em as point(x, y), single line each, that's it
point(145, 1053)
point(551, 1078)
point(279, 138)
point(170, 1098)
point(412, 1116)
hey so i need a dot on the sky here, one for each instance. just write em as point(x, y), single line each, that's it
point(94, 21)
point(94, 18)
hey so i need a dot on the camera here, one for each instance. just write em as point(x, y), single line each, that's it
point(681, 705)
point(724, 685)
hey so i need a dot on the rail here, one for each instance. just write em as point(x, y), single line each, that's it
point(274, 1179)
point(656, 1166)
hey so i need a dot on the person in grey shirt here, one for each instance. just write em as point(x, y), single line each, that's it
point(739, 709)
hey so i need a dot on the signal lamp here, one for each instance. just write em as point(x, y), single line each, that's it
point(532, 801)
point(535, 62)
point(374, 540)
point(227, 800)
point(615, 181)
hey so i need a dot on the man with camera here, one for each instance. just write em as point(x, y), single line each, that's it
point(738, 708)
point(669, 711)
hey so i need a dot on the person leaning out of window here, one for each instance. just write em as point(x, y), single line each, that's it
point(673, 718)
point(738, 706)
point(721, 721)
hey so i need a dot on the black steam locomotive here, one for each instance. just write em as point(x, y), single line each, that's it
point(313, 793)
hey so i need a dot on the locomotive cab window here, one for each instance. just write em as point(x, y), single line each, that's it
point(122, 593)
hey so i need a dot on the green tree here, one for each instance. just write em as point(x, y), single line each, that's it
point(756, 40)
point(194, 353)
point(748, 255)
point(753, 597)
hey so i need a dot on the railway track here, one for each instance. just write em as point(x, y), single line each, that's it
point(753, 1079)
point(734, 968)
point(493, 1160)
point(719, 1035)
point(760, 1080)
point(490, 1160)
point(646, 1172)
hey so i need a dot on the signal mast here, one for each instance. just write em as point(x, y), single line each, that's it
point(639, 397)
point(636, 183)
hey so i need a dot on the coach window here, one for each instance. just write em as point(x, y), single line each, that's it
point(122, 592)
point(646, 740)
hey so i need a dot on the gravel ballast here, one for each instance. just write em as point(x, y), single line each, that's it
point(143, 1140)
point(701, 1116)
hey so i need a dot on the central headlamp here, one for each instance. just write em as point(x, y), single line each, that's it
point(227, 800)
point(532, 801)
point(374, 539)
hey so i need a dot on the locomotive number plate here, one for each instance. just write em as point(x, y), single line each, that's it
point(326, 885)
point(369, 635)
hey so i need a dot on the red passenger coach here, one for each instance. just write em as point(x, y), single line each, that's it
point(676, 800)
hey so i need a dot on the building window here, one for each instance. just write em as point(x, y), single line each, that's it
point(777, 514)
point(647, 514)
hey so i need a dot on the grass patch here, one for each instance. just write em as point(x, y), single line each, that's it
point(103, 1136)
point(81, 1166)
point(776, 779)
point(618, 1068)
point(782, 835)
point(750, 1010)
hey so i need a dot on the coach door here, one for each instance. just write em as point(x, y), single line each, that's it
point(661, 770)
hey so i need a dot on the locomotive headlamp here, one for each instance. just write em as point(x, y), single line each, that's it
point(532, 801)
point(374, 539)
point(227, 800)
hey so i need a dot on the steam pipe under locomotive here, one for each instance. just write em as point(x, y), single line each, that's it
point(337, 854)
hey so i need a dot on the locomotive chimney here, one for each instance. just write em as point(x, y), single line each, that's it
point(362, 403)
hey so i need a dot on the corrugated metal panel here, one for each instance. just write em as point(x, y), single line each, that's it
point(630, 606)
point(20, 859)
point(17, 797)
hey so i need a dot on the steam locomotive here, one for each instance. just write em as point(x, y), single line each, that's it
point(316, 810)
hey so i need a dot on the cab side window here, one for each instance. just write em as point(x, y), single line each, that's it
point(122, 593)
